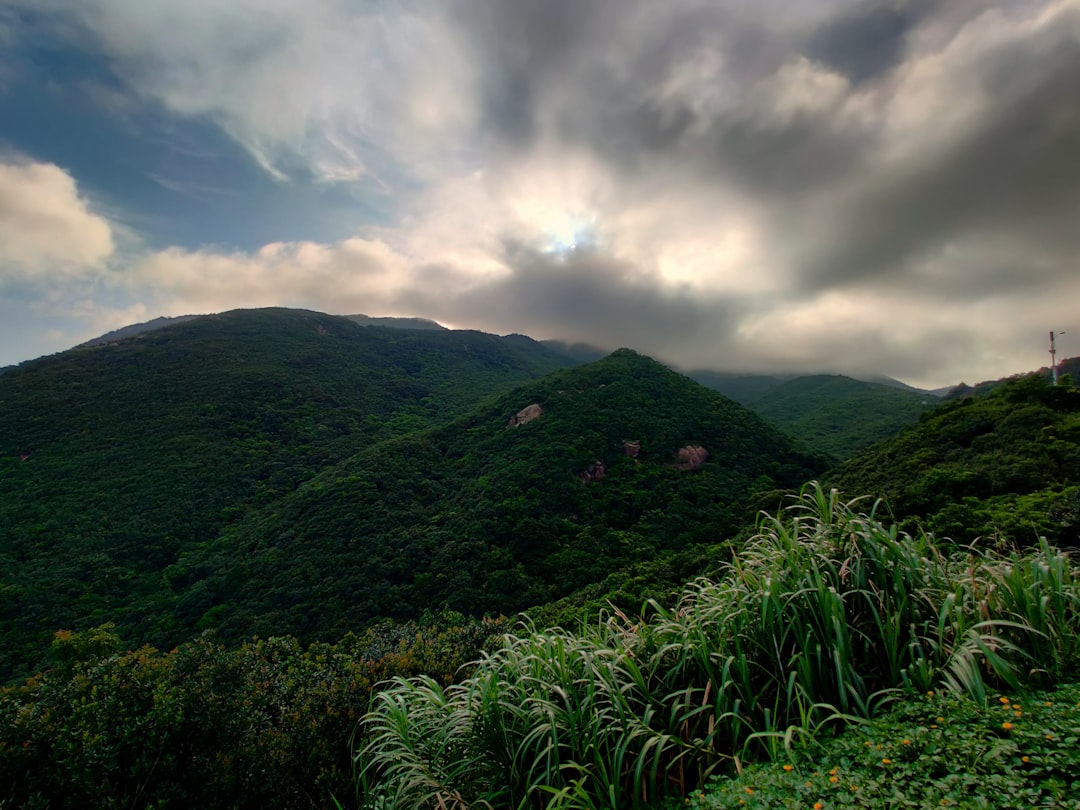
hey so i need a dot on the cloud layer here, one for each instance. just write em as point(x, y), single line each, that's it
point(862, 186)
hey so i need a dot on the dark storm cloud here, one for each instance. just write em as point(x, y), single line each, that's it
point(528, 46)
point(583, 294)
point(604, 74)
point(1015, 176)
point(870, 39)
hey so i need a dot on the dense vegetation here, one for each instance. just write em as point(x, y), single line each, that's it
point(116, 460)
point(824, 614)
point(935, 750)
point(481, 517)
point(363, 490)
point(265, 724)
point(1001, 467)
point(838, 415)
point(827, 413)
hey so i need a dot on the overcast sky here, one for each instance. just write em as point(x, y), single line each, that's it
point(877, 187)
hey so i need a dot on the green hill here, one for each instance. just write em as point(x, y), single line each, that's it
point(117, 459)
point(839, 415)
point(626, 460)
point(1002, 465)
point(827, 413)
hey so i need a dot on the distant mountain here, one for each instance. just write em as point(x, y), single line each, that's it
point(1005, 464)
point(827, 413)
point(160, 323)
point(138, 329)
point(550, 488)
point(581, 352)
point(892, 382)
point(744, 388)
point(118, 459)
point(397, 323)
point(839, 415)
point(1067, 366)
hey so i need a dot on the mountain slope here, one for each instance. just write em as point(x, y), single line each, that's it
point(115, 459)
point(1002, 465)
point(839, 415)
point(483, 516)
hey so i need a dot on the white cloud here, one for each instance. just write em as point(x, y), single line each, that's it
point(46, 227)
point(340, 89)
point(353, 275)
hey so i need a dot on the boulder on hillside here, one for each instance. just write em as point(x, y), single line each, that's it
point(594, 472)
point(526, 414)
point(691, 457)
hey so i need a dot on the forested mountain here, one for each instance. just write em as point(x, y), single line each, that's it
point(1003, 465)
point(1070, 366)
point(550, 488)
point(827, 413)
point(838, 415)
point(746, 389)
point(116, 459)
point(280, 478)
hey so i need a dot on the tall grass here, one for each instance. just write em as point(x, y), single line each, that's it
point(825, 613)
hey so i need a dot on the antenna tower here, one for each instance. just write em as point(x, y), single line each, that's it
point(1053, 357)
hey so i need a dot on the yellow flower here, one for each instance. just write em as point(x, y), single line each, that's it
point(886, 761)
point(750, 790)
point(941, 719)
point(1003, 699)
point(930, 693)
point(834, 779)
point(1025, 759)
point(905, 742)
point(1006, 726)
point(818, 806)
point(788, 767)
point(833, 772)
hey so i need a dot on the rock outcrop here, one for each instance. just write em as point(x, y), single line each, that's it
point(594, 472)
point(691, 457)
point(526, 414)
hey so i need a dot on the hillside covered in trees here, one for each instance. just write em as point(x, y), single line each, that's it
point(1000, 467)
point(279, 471)
point(240, 551)
point(117, 459)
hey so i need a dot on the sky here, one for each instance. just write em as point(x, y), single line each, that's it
point(887, 187)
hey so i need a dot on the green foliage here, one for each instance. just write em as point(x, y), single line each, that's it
point(1001, 466)
point(822, 617)
point(483, 518)
point(840, 416)
point(118, 461)
point(264, 725)
point(1019, 751)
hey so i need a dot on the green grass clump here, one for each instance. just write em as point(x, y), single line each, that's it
point(826, 615)
point(943, 750)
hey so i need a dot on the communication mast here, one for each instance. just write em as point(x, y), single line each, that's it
point(1053, 356)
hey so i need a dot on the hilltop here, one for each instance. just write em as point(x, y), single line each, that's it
point(116, 459)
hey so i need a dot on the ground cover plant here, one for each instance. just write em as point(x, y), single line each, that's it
point(933, 751)
point(824, 616)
